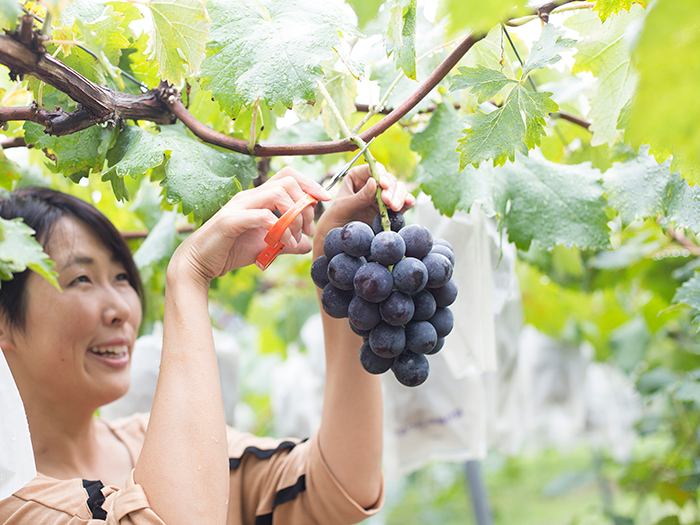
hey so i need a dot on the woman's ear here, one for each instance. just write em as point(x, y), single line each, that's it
point(7, 342)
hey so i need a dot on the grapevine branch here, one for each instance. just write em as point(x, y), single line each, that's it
point(23, 52)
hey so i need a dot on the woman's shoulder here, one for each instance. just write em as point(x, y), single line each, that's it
point(133, 424)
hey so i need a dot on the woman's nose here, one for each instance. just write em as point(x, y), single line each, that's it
point(117, 309)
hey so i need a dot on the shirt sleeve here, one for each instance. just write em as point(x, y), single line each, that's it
point(77, 502)
point(287, 481)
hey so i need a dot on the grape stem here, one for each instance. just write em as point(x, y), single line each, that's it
point(371, 162)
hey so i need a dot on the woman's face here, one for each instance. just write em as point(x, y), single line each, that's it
point(77, 343)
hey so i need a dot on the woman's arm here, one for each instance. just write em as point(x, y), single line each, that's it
point(183, 467)
point(351, 423)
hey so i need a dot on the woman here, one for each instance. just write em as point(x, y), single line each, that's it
point(69, 353)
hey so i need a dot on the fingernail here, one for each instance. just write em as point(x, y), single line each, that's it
point(325, 194)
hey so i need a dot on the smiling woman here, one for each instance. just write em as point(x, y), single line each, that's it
point(69, 352)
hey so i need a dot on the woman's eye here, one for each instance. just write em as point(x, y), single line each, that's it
point(81, 279)
point(123, 277)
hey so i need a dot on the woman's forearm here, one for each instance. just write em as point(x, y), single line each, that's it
point(183, 467)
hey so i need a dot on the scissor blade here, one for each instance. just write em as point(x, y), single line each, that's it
point(341, 173)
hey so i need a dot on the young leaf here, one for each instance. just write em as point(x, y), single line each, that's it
point(516, 126)
point(269, 50)
point(668, 62)
point(606, 8)
point(400, 36)
point(481, 81)
point(160, 243)
point(9, 13)
point(604, 52)
point(546, 51)
point(689, 294)
point(178, 36)
point(19, 250)
point(365, 10)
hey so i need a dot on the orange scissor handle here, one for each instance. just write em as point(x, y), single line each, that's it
point(272, 238)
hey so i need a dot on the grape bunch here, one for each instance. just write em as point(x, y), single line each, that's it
point(395, 287)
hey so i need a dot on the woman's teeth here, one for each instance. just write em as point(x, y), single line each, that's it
point(109, 351)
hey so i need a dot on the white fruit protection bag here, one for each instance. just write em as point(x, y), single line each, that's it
point(17, 466)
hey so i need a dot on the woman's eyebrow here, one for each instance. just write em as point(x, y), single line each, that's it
point(80, 259)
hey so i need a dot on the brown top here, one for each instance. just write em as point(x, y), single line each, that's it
point(272, 481)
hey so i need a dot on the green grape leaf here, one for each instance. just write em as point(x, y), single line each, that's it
point(75, 155)
point(480, 16)
point(546, 51)
point(85, 10)
point(200, 177)
point(19, 250)
point(606, 8)
point(399, 38)
point(668, 62)
point(110, 32)
point(343, 90)
point(177, 37)
point(9, 171)
point(439, 175)
point(604, 52)
point(683, 209)
point(516, 126)
point(269, 50)
point(160, 242)
point(689, 294)
point(555, 204)
point(365, 10)
point(481, 81)
point(9, 13)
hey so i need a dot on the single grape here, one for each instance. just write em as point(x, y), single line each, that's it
point(410, 275)
point(397, 309)
point(444, 250)
point(373, 282)
point(372, 363)
point(387, 248)
point(342, 269)
point(445, 295)
point(335, 302)
point(386, 340)
point(363, 314)
point(396, 220)
point(438, 346)
point(356, 238)
point(439, 241)
point(421, 337)
point(331, 244)
point(439, 269)
point(425, 305)
point(410, 369)
point(319, 271)
point(418, 240)
point(443, 321)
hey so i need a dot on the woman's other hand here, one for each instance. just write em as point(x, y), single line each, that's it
point(234, 236)
point(357, 201)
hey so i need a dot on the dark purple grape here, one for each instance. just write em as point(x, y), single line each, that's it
point(362, 333)
point(410, 369)
point(410, 275)
point(356, 238)
point(331, 244)
point(444, 250)
point(445, 295)
point(335, 302)
point(342, 269)
point(418, 240)
point(373, 282)
point(439, 269)
point(438, 346)
point(443, 321)
point(363, 314)
point(395, 219)
point(439, 241)
point(421, 337)
point(319, 271)
point(425, 305)
point(397, 309)
point(372, 362)
point(387, 248)
point(386, 340)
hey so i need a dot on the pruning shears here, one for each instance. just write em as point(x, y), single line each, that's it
point(274, 246)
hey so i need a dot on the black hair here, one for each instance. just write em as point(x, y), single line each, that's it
point(40, 209)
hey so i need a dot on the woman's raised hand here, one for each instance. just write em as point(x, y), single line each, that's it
point(234, 236)
point(356, 200)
